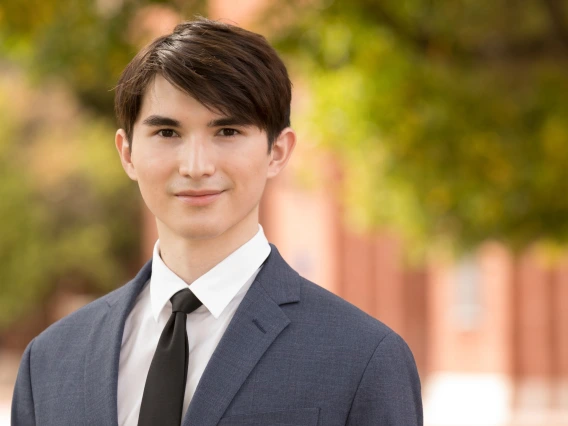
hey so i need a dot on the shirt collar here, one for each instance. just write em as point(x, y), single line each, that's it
point(217, 287)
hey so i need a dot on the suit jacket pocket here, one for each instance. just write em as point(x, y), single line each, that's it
point(300, 417)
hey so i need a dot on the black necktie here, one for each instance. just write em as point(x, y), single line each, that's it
point(162, 401)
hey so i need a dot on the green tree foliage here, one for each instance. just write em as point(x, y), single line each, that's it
point(85, 43)
point(67, 211)
point(450, 118)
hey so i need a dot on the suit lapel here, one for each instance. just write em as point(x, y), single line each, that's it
point(257, 323)
point(103, 352)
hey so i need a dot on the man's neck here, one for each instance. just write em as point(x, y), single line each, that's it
point(189, 259)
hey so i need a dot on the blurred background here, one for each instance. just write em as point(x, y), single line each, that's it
point(429, 186)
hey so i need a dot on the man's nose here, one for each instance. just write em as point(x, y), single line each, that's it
point(197, 158)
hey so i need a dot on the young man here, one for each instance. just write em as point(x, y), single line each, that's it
point(216, 329)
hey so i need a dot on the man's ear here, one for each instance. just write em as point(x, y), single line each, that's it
point(281, 151)
point(124, 150)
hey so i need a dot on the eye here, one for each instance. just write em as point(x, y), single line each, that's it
point(228, 132)
point(166, 133)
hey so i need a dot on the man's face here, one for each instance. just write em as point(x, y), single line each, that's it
point(199, 172)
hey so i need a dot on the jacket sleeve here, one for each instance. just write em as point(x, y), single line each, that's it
point(389, 391)
point(23, 402)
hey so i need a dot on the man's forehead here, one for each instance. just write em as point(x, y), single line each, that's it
point(162, 97)
point(160, 91)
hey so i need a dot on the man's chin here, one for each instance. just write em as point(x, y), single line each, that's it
point(200, 232)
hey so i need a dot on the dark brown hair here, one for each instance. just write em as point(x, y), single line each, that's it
point(226, 68)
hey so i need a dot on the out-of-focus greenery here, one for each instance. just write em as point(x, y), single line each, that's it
point(68, 214)
point(86, 43)
point(449, 117)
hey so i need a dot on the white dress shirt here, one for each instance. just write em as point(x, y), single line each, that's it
point(221, 290)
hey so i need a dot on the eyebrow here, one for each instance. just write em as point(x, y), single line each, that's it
point(227, 121)
point(158, 120)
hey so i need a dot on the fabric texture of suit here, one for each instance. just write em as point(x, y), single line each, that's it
point(293, 355)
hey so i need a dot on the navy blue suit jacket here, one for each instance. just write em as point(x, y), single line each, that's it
point(294, 354)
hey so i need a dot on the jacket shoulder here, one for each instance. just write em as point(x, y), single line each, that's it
point(74, 324)
point(339, 316)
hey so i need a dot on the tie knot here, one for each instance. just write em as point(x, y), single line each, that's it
point(185, 301)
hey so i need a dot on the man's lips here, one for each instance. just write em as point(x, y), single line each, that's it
point(200, 193)
point(199, 198)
